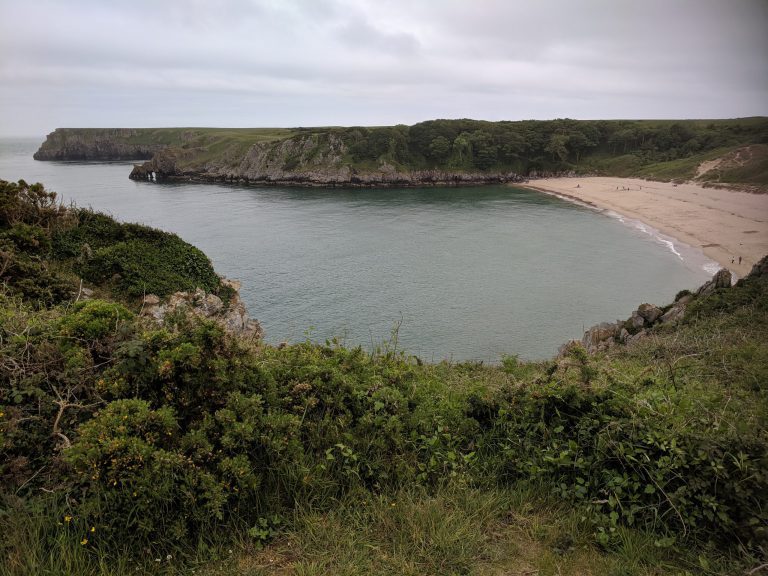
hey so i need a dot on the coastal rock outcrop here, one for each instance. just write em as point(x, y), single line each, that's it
point(96, 144)
point(722, 279)
point(647, 316)
point(305, 160)
point(232, 315)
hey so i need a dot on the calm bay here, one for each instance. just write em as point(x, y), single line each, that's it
point(466, 273)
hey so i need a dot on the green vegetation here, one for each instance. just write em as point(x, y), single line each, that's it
point(127, 446)
point(747, 165)
point(616, 147)
point(654, 149)
point(45, 249)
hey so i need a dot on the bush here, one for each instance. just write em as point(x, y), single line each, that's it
point(138, 267)
point(94, 320)
point(631, 462)
point(136, 486)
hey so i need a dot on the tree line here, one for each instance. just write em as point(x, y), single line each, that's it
point(544, 145)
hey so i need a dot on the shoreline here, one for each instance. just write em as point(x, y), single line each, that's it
point(721, 224)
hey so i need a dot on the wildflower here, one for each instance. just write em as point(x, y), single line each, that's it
point(93, 529)
point(168, 557)
point(67, 519)
point(84, 541)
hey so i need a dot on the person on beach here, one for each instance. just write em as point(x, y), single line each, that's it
point(739, 260)
point(732, 260)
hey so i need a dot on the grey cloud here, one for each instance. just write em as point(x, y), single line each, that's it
point(360, 34)
point(302, 62)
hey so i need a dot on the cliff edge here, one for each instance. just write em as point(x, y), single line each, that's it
point(109, 144)
point(435, 152)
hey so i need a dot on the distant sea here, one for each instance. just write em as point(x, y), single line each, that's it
point(469, 273)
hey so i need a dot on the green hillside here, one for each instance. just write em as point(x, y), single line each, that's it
point(656, 149)
point(128, 446)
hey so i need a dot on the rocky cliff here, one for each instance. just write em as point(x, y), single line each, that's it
point(314, 159)
point(98, 144)
point(435, 152)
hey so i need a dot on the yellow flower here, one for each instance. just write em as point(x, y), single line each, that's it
point(84, 541)
point(67, 518)
point(93, 528)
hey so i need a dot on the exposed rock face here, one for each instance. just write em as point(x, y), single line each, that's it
point(760, 270)
point(96, 144)
point(305, 160)
point(720, 280)
point(649, 312)
point(596, 335)
point(647, 316)
point(233, 317)
point(302, 159)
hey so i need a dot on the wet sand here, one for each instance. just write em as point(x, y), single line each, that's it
point(724, 224)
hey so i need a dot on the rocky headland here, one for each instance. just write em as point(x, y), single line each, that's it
point(304, 160)
point(109, 144)
point(435, 152)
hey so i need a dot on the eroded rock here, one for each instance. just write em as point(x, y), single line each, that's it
point(649, 312)
point(647, 316)
point(233, 316)
point(720, 280)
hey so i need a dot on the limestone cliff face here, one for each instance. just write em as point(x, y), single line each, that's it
point(305, 160)
point(96, 144)
point(290, 157)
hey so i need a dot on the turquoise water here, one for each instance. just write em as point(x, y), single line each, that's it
point(466, 273)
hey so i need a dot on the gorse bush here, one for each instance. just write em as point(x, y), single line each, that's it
point(28, 216)
point(135, 483)
point(189, 422)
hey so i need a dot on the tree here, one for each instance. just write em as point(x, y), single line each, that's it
point(439, 148)
point(462, 147)
point(558, 147)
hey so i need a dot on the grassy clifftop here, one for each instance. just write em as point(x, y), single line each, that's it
point(142, 143)
point(437, 151)
point(130, 446)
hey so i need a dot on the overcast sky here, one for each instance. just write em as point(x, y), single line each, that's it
point(95, 63)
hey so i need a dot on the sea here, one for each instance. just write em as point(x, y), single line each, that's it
point(456, 274)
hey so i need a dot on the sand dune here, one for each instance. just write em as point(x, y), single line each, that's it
point(724, 224)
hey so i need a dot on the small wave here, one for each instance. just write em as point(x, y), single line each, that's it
point(671, 246)
point(653, 233)
point(615, 215)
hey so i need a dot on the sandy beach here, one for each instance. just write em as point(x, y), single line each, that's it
point(724, 224)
